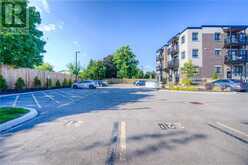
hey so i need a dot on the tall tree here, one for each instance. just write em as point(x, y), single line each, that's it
point(111, 70)
point(189, 70)
point(73, 69)
point(23, 50)
point(45, 67)
point(126, 62)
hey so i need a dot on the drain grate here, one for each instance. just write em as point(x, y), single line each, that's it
point(196, 103)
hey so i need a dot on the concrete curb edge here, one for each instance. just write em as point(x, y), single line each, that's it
point(12, 123)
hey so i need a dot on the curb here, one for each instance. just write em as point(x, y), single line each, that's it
point(7, 125)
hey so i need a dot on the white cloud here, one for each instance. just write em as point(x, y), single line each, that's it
point(47, 27)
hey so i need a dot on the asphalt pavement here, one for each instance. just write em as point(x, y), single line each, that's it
point(127, 125)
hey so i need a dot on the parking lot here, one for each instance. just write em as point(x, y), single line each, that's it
point(127, 125)
point(55, 98)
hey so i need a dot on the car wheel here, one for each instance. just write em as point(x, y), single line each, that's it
point(92, 87)
point(75, 87)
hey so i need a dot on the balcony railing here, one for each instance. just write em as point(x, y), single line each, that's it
point(238, 40)
point(174, 50)
point(173, 64)
point(236, 58)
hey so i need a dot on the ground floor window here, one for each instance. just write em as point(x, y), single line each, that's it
point(237, 70)
point(218, 69)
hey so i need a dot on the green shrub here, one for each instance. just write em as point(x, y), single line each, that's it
point(65, 83)
point(3, 84)
point(214, 76)
point(186, 82)
point(37, 82)
point(49, 83)
point(20, 84)
point(217, 89)
point(70, 82)
point(181, 88)
point(57, 84)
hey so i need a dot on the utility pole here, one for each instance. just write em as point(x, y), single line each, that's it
point(77, 64)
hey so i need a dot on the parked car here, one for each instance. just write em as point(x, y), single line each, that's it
point(101, 83)
point(228, 84)
point(84, 84)
point(140, 83)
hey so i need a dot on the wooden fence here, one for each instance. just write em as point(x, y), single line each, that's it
point(12, 74)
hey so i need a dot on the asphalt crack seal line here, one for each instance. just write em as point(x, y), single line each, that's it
point(113, 146)
point(117, 150)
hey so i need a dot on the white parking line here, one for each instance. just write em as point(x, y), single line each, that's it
point(36, 101)
point(15, 102)
point(123, 146)
point(62, 92)
point(50, 97)
point(64, 96)
point(232, 129)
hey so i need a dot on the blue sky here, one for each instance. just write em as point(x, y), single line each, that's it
point(98, 27)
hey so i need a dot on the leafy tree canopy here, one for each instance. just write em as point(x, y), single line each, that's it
point(126, 62)
point(189, 70)
point(23, 50)
point(45, 67)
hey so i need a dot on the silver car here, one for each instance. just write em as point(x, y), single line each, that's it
point(84, 84)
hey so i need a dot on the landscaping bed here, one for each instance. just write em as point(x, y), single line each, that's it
point(9, 113)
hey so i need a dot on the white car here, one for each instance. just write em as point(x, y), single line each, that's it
point(84, 84)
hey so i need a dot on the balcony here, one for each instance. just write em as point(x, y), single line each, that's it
point(173, 64)
point(236, 57)
point(174, 50)
point(235, 41)
point(159, 58)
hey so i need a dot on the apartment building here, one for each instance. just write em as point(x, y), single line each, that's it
point(216, 49)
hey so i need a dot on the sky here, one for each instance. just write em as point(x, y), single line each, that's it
point(98, 27)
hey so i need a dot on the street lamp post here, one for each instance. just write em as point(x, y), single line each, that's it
point(77, 65)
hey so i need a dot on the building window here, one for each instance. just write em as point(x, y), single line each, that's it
point(183, 39)
point(237, 70)
point(195, 53)
point(217, 36)
point(183, 55)
point(218, 69)
point(194, 36)
point(217, 52)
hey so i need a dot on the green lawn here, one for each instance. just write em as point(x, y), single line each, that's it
point(8, 113)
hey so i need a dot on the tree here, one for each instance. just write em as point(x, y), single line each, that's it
point(73, 69)
point(95, 70)
point(23, 50)
point(189, 71)
point(126, 62)
point(150, 75)
point(45, 67)
point(111, 70)
point(140, 74)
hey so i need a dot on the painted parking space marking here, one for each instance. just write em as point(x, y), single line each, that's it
point(69, 94)
point(36, 101)
point(170, 125)
point(67, 97)
point(123, 146)
point(15, 101)
point(50, 97)
point(65, 104)
point(232, 129)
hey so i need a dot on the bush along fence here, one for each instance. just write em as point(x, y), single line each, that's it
point(25, 78)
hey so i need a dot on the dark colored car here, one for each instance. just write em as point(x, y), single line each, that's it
point(140, 83)
point(229, 84)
